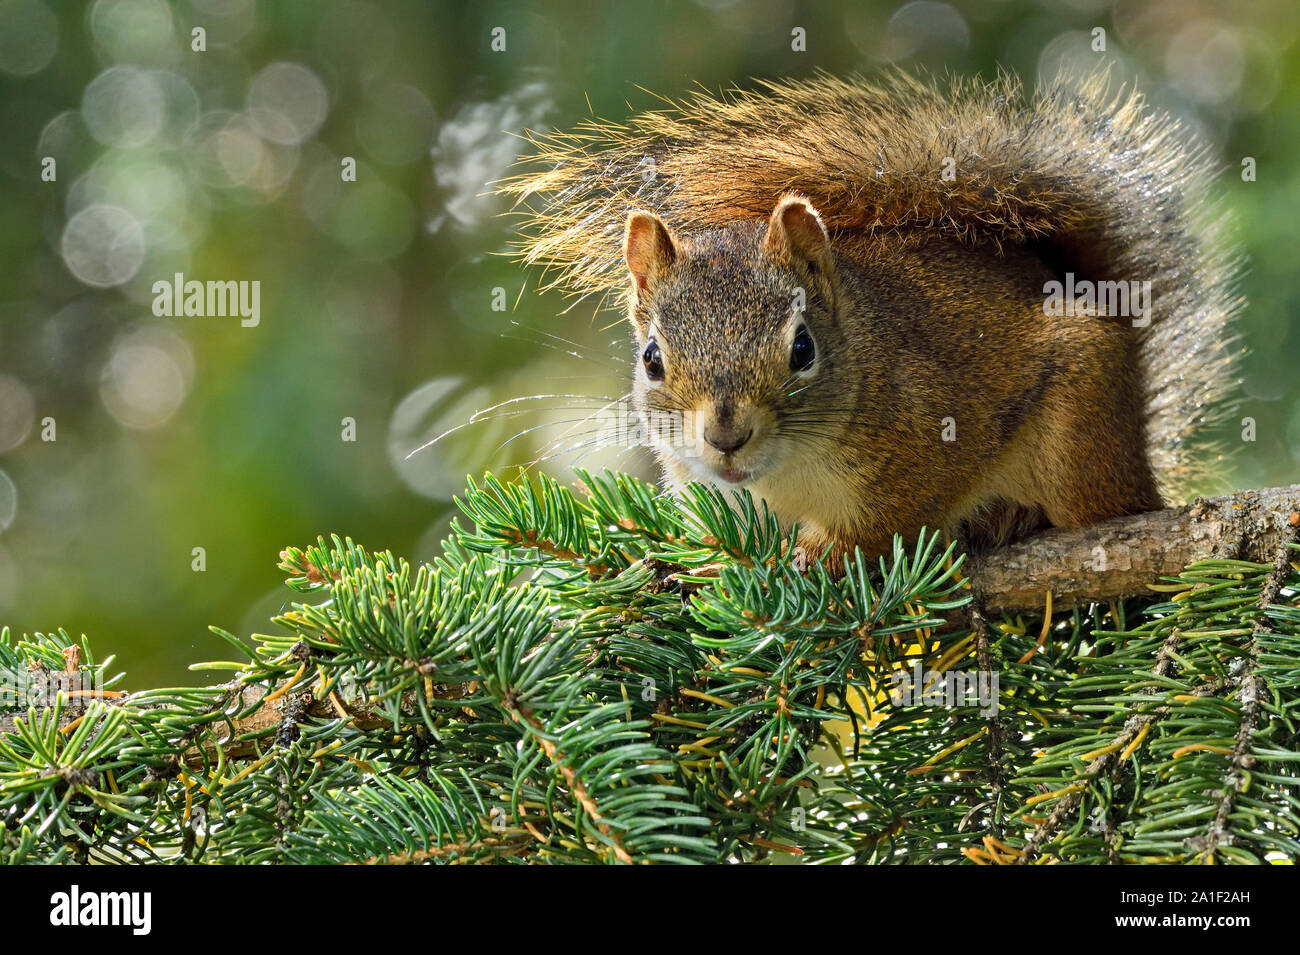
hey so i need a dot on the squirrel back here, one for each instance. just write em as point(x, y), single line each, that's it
point(1098, 187)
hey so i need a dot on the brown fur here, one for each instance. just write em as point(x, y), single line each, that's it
point(924, 296)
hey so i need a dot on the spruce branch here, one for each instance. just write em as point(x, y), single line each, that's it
point(612, 675)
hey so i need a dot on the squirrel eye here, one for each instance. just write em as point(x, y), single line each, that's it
point(653, 360)
point(802, 352)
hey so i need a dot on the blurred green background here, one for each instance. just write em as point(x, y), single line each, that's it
point(376, 295)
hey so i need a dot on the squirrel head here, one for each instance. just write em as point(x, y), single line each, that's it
point(737, 337)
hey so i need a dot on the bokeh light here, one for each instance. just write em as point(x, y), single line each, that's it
point(124, 107)
point(287, 103)
point(8, 501)
point(925, 26)
point(443, 409)
point(29, 36)
point(17, 412)
point(148, 375)
point(103, 245)
point(396, 124)
point(135, 31)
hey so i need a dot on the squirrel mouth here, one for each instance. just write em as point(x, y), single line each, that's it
point(732, 475)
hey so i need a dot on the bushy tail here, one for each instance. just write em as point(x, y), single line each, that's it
point(1106, 187)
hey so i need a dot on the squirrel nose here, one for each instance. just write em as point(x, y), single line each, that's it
point(726, 440)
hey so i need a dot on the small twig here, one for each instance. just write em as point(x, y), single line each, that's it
point(1252, 687)
point(1110, 758)
point(993, 738)
point(576, 785)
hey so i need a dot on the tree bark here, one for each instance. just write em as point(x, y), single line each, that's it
point(1121, 557)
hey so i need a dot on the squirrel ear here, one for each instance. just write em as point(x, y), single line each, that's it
point(648, 247)
point(796, 233)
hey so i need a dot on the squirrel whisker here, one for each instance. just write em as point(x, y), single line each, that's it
point(485, 415)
